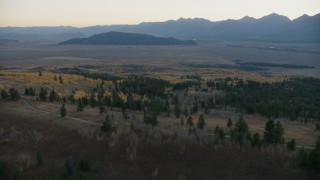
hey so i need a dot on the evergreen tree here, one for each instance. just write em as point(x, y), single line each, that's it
point(317, 127)
point(4, 94)
point(279, 132)
point(80, 105)
point(64, 99)
point(14, 94)
point(291, 145)
point(43, 94)
point(39, 158)
point(92, 100)
point(101, 108)
point(84, 165)
point(63, 111)
point(195, 107)
point(52, 96)
point(229, 124)
point(177, 110)
point(85, 100)
point(268, 137)
point(190, 121)
point(186, 112)
point(166, 107)
point(255, 142)
point(106, 126)
point(303, 157)
point(273, 133)
point(201, 122)
point(27, 92)
point(240, 132)
point(318, 143)
point(314, 159)
point(32, 91)
point(181, 121)
point(68, 168)
point(219, 132)
point(150, 118)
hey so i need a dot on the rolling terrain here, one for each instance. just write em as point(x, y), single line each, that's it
point(135, 111)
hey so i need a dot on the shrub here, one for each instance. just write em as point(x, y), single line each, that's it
point(229, 124)
point(190, 121)
point(314, 160)
point(219, 132)
point(291, 145)
point(303, 157)
point(39, 159)
point(63, 111)
point(68, 168)
point(84, 165)
point(201, 122)
point(255, 142)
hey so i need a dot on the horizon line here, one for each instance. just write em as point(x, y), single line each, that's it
point(126, 24)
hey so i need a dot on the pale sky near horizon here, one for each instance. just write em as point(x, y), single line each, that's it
point(106, 12)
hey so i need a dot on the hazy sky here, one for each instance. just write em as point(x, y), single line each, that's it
point(105, 12)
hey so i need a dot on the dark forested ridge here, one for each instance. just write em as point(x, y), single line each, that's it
point(294, 98)
point(120, 38)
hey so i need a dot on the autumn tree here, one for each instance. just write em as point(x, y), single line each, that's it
point(60, 79)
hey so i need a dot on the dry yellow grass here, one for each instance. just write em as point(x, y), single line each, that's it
point(22, 80)
point(46, 78)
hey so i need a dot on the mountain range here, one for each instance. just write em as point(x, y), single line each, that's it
point(272, 28)
point(120, 38)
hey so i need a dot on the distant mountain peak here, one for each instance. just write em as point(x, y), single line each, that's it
point(273, 27)
point(248, 19)
point(193, 20)
point(274, 18)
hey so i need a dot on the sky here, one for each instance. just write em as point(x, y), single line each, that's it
point(82, 13)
